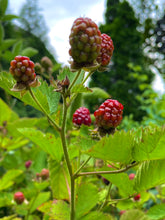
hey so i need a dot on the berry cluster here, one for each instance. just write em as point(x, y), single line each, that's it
point(85, 41)
point(22, 69)
point(82, 116)
point(109, 114)
point(106, 50)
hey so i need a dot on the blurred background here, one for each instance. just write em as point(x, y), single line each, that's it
point(136, 73)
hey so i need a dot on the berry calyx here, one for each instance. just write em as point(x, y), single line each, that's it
point(106, 50)
point(19, 197)
point(131, 176)
point(44, 174)
point(137, 197)
point(22, 69)
point(85, 41)
point(82, 116)
point(109, 114)
point(28, 163)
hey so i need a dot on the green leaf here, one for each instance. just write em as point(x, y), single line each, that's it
point(97, 93)
point(77, 102)
point(29, 52)
point(57, 210)
point(79, 88)
point(151, 146)
point(149, 174)
point(42, 94)
point(9, 17)
point(96, 215)
point(6, 199)
point(40, 199)
point(1, 34)
point(122, 181)
point(9, 114)
point(117, 147)
point(11, 217)
point(60, 181)
point(86, 199)
point(8, 178)
point(17, 48)
point(13, 143)
point(7, 43)
point(156, 212)
point(3, 4)
point(134, 214)
point(47, 142)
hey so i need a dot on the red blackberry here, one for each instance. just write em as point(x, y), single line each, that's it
point(82, 116)
point(28, 163)
point(19, 197)
point(106, 50)
point(109, 114)
point(131, 176)
point(85, 41)
point(22, 69)
point(137, 197)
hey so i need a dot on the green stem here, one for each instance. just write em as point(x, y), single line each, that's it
point(106, 172)
point(89, 74)
point(82, 165)
point(106, 199)
point(75, 79)
point(65, 150)
point(43, 110)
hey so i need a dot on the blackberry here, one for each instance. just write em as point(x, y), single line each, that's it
point(82, 116)
point(109, 114)
point(85, 41)
point(22, 69)
point(44, 174)
point(19, 197)
point(106, 50)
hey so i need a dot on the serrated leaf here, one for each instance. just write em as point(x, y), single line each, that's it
point(96, 216)
point(79, 88)
point(40, 199)
point(117, 148)
point(47, 142)
point(149, 174)
point(41, 93)
point(134, 214)
point(151, 146)
point(86, 199)
point(60, 181)
point(29, 52)
point(156, 212)
point(96, 93)
point(8, 178)
point(13, 143)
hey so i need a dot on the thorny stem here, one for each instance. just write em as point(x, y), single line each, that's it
point(43, 110)
point(65, 150)
point(106, 199)
point(82, 165)
point(106, 172)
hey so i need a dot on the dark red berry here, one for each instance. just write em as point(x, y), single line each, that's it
point(137, 197)
point(44, 174)
point(122, 212)
point(19, 197)
point(82, 116)
point(85, 40)
point(109, 114)
point(106, 50)
point(105, 181)
point(131, 176)
point(28, 163)
point(22, 69)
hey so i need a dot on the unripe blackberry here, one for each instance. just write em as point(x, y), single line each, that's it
point(44, 174)
point(109, 114)
point(82, 116)
point(106, 50)
point(22, 69)
point(19, 197)
point(28, 163)
point(85, 41)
